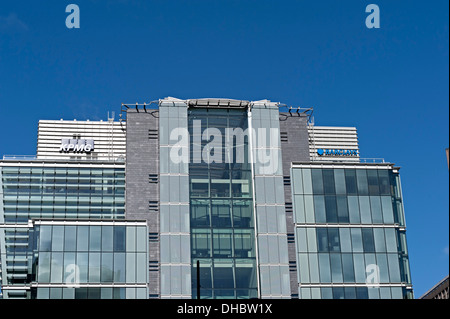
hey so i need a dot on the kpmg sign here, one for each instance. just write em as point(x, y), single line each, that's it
point(76, 145)
point(338, 152)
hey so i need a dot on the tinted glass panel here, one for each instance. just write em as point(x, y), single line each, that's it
point(363, 187)
point(222, 223)
point(317, 181)
point(328, 182)
point(331, 209)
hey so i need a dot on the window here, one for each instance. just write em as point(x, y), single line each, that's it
point(91, 258)
point(220, 214)
point(322, 239)
point(383, 182)
point(221, 210)
point(319, 209)
point(200, 213)
point(222, 247)
point(317, 181)
point(331, 209)
point(372, 180)
point(328, 182)
point(201, 244)
point(333, 240)
point(350, 182)
point(339, 178)
point(368, 240)
point(342, 209)
point(361, 177)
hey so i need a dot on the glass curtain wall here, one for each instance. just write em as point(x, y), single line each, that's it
point(62, 192)
point(350, 232)
point(221, 206)
point(48, 192)
point(97, 260)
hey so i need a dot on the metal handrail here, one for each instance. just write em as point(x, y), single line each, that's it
point(19, 157)
point(372, 160)
point(119, 159)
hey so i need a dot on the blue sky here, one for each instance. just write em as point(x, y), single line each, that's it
point(391, 83)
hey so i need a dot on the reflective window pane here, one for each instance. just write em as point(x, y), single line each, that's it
point(328, 182)
point(331, 209)
point(95, 237)
point(317, 181)
point(372, 180)
point(339, 179)
point(107, 238)
point(361, 177)
point(368, 240)
point(342, 209)
point(319, 209)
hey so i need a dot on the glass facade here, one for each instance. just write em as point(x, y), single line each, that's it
point(269, 197)
point(62, 192)
point(89, 260)
point(218, 197)
point(51, 191)
point(350, 233)
point(174, 228)
point(221, 207)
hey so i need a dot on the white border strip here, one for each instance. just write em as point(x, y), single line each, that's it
point(297, 225)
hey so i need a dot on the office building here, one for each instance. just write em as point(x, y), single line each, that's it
point(81, 140)
point(266, 203)
point(350, 231)
point(34, 191)
point(438, 291)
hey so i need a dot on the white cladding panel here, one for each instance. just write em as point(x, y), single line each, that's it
point(333, 138)
point(109, 139)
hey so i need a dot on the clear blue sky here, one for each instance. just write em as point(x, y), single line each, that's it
point(391, 83)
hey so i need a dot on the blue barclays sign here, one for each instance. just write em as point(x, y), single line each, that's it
point(337, 152)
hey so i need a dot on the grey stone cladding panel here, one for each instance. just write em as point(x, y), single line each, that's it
point(142, 192)
point(294, 147)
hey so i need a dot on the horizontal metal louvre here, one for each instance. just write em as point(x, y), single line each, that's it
point(293, 265)
point(153, 237)
point(153, 206)
point(153, 134)
point(153, 178)
point(288, 207)
point(290, 238)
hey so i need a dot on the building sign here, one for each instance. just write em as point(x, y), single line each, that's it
point(339, 152)
point(76, 145)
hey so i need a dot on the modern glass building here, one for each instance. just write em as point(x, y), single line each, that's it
point(214, 198)
point(32, 191)
point(222, 223)
point(89, 260)
point(350, 232)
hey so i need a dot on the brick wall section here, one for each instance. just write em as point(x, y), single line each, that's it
point(294, 147)
point(142, 160)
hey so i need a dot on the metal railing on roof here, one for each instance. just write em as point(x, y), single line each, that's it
point(119, 159)
point(372, 160)
point(19, 157)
